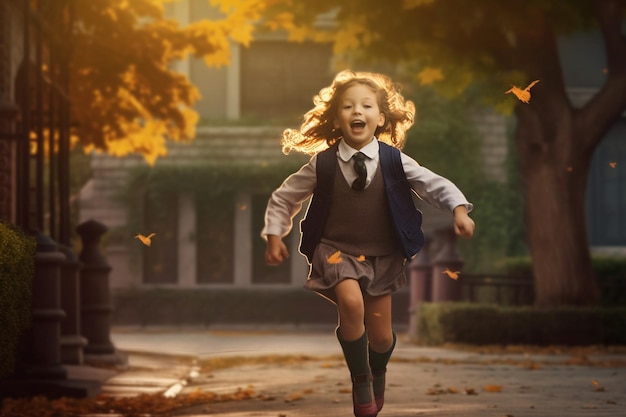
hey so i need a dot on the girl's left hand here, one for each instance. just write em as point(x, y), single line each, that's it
point(463, 224)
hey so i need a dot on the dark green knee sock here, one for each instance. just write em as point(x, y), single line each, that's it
point(378, 363)
point(380, 360)
point(356, 354)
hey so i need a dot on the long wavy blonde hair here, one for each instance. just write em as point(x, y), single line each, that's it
point(317, 132)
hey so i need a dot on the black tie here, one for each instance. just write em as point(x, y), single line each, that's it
point(361, 170)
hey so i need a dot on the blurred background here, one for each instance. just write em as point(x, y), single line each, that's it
point(175, 110)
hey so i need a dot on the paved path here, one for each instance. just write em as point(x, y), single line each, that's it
point(422, 381)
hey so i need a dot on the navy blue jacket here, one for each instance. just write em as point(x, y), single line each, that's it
point(407, 219)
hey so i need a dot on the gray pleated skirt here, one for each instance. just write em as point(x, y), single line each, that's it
point(377, 275)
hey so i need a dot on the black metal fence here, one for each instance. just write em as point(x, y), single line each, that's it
point(516, 290)
point(37, 132)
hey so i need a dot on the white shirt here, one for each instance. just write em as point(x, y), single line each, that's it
point(288, 199)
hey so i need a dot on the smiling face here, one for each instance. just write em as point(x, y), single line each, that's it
point(358, 115)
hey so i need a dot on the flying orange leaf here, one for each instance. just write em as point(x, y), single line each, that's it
point(612, 164)
point(361, 258)
point(451, 274)
point(335, 258)
point(146, 240)
point(522, 95)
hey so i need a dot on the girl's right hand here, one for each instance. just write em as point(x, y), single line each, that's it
point(276, 251)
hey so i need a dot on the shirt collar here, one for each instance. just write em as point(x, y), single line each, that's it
point(346, 151)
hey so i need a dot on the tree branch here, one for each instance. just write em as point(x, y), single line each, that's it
point(599, 114)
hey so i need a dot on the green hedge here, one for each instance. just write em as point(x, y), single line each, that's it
point(604, 266)
point(17, 253)
point(204, 307)
point(479, 324)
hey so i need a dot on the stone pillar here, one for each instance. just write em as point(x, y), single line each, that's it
point(420, 286)
point(40, 349)
point(243, 241)
point(95, 319)
point(187, 246)
point(445, 288)
point(72, 343)
point(233, 83)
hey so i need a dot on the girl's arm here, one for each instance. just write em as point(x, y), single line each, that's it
point(436, 190)
point(441, 193)
point(283, 205)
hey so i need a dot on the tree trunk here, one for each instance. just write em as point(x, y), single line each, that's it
point(554, 185)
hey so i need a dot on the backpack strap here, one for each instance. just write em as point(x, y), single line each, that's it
point(393, 169)
point(325, 167)
point(407, 220)
point(312, 226)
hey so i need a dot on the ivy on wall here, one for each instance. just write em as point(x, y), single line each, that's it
point(213, 187)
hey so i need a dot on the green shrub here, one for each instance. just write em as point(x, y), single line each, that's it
point(604, 266)
point(17, 253)
point(491, 324)
point(204, 307)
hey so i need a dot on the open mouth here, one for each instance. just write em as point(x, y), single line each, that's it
point(357, 124)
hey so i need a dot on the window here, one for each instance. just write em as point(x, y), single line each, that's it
point(160, 261)
point(261, 272)
point(215, 240)
point(606, 190)
point(280, 78)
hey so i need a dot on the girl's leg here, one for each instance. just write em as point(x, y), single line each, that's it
point(382, 340)
point(353, 339)
point(351, 309)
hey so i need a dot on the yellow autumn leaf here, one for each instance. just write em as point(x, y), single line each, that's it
point(335, 258)
point(146, 240)
point(522, 95)
point(429, 75)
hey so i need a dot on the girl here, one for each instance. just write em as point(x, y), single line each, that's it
point(361, 225)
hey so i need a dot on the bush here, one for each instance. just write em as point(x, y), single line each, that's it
point(17, 253)
point(491, 324)
point(204, 307)
point(605, 267)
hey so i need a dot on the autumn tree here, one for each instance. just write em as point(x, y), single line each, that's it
point(494, 44)
point(126, 95)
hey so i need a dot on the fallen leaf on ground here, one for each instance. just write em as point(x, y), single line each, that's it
point(293, 397)
point(493, 388)
point(597, 386)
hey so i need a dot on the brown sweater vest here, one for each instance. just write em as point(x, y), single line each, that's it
point(359, 222)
